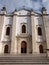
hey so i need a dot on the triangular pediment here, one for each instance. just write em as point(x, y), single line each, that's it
point(23, 12)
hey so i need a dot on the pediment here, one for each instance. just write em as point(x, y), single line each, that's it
point(23, 12)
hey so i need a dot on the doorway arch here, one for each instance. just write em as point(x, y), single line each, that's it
point(23, 47)
point(41, 48)
point(6, 49)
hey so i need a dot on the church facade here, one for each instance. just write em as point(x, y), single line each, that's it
point(24, 32)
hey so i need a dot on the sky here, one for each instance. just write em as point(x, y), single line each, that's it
point(11, 5)
point(46, 4)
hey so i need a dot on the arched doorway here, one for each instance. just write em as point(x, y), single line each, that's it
point(6, 49)
point(23, 47)
point(41, 49)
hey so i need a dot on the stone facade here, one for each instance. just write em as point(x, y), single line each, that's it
point(32, 38)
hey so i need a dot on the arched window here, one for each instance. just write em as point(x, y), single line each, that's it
point(39, 31)
point(8, 31)
point(41, 49)
point(23, 29)
point(6, 49)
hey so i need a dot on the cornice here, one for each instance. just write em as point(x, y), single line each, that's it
point(23, 36)
point(6, 41)
point(32, 14)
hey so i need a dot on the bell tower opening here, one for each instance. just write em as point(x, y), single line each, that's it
point(23, 47)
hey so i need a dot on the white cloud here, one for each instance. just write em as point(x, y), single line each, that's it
point(11, 5)
point(45, 0)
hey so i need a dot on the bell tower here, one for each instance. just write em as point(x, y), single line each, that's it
point(46, 26)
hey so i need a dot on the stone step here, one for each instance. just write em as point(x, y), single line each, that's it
point(16, 58)
point(23, 59)
point(23, 62)
point(23, 55)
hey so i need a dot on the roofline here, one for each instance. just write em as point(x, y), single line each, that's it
point(12, 13)
point(23, 9)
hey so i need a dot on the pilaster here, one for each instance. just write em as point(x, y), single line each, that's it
point(33, 34)
point(1, 29)
point(14, 41)
point(46, 26)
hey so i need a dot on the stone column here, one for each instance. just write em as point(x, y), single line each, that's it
point(14, 41)
point(33, 33)
point(2, 17)
point(1, 33)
